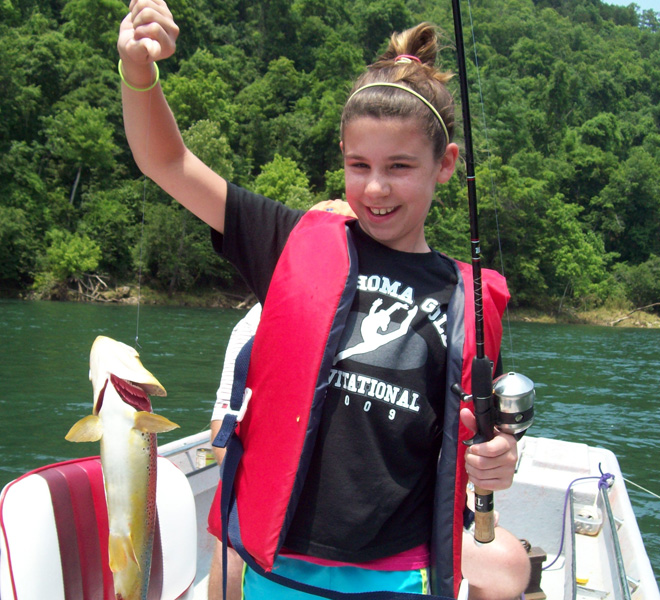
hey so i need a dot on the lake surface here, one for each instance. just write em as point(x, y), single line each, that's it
point(596, 385)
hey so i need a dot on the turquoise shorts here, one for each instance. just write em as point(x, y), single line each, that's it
point(341, 579)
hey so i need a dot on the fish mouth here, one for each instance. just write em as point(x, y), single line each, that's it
point(131, 393)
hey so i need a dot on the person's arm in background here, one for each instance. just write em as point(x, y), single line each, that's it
point(242, 332)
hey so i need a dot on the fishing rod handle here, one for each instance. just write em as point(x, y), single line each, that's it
point(484, 407)
point(484, 515)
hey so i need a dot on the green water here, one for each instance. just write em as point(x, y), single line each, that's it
point(595, 385)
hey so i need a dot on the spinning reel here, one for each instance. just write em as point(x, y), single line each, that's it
point(512, 410)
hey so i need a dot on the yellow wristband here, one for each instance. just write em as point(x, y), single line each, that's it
point(132, 87)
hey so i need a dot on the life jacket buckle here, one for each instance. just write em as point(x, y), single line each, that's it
point(230, 420)
point(247, 395)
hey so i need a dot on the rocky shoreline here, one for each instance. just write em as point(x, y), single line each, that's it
point(606, 317)
point(241, 298)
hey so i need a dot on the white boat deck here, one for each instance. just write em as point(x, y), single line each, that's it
point(533, 509)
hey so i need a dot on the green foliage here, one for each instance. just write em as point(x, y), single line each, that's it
point(641, 282)
point(447, 225)
point(176, 249)
point(376, 20)
point(206, 140)
point(568, 167)
point(81, 137)
point(108, 221)
point(630, 207)
point(198, 92)
point(94, 22)
point(334, 185)
point(69, 255)
point(282, 180)
point(17, 246)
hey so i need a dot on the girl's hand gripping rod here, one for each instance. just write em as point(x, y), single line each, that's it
point(484, 412)
point(484, 408)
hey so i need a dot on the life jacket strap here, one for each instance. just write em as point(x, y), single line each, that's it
point(239, 399)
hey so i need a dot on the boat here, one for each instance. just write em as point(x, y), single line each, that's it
point(568, 503)
point(555, 494)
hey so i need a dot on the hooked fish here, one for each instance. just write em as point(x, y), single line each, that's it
point(123, 421)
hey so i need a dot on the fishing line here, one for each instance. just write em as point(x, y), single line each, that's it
point(492, 181)
point(144, 204)
point(642, 488)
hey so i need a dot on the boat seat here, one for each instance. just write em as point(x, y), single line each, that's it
point(54, 541)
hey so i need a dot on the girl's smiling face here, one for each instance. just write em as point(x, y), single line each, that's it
point(391, 175)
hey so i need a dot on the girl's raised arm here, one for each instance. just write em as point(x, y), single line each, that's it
point(148, 34)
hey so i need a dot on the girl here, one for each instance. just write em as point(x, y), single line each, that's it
point(365, 513)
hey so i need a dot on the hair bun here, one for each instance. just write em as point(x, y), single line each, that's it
point(420, 41)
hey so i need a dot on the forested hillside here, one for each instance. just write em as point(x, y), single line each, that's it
point(567, 138)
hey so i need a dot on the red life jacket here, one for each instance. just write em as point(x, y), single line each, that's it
point(290, 360)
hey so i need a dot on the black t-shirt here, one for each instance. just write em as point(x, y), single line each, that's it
point(370, 486)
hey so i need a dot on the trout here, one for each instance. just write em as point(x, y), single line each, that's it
point(123, 421)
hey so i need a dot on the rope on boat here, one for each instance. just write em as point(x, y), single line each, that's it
point(604, 481)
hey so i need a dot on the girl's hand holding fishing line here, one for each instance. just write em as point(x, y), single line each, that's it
point(490, 465)
point(147, 34)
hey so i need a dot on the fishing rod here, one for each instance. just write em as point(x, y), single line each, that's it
point(510, 404)
point(482, 378)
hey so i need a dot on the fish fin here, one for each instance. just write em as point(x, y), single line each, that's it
point(120, 551)
point(88, 429)
point(151, 423)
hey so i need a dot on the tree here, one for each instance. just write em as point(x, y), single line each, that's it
point(107, 220)
point(641, 282)
point(94, 22)
point(263, 104)
point(334, 185)
point(81, 139)
point(31, 56)
point(630, 205)
point(68, 258)
point(17, 247)
point(206, 140)
point(282, 180)
point(575, 255)
point(543, 245)
point(198, 92)
point(70, 255)
point(376, 20)
point(571, 135)
point(176, 249)
point(22, 186)
point(447, 225)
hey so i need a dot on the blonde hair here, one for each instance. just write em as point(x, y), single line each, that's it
point(419, 75)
